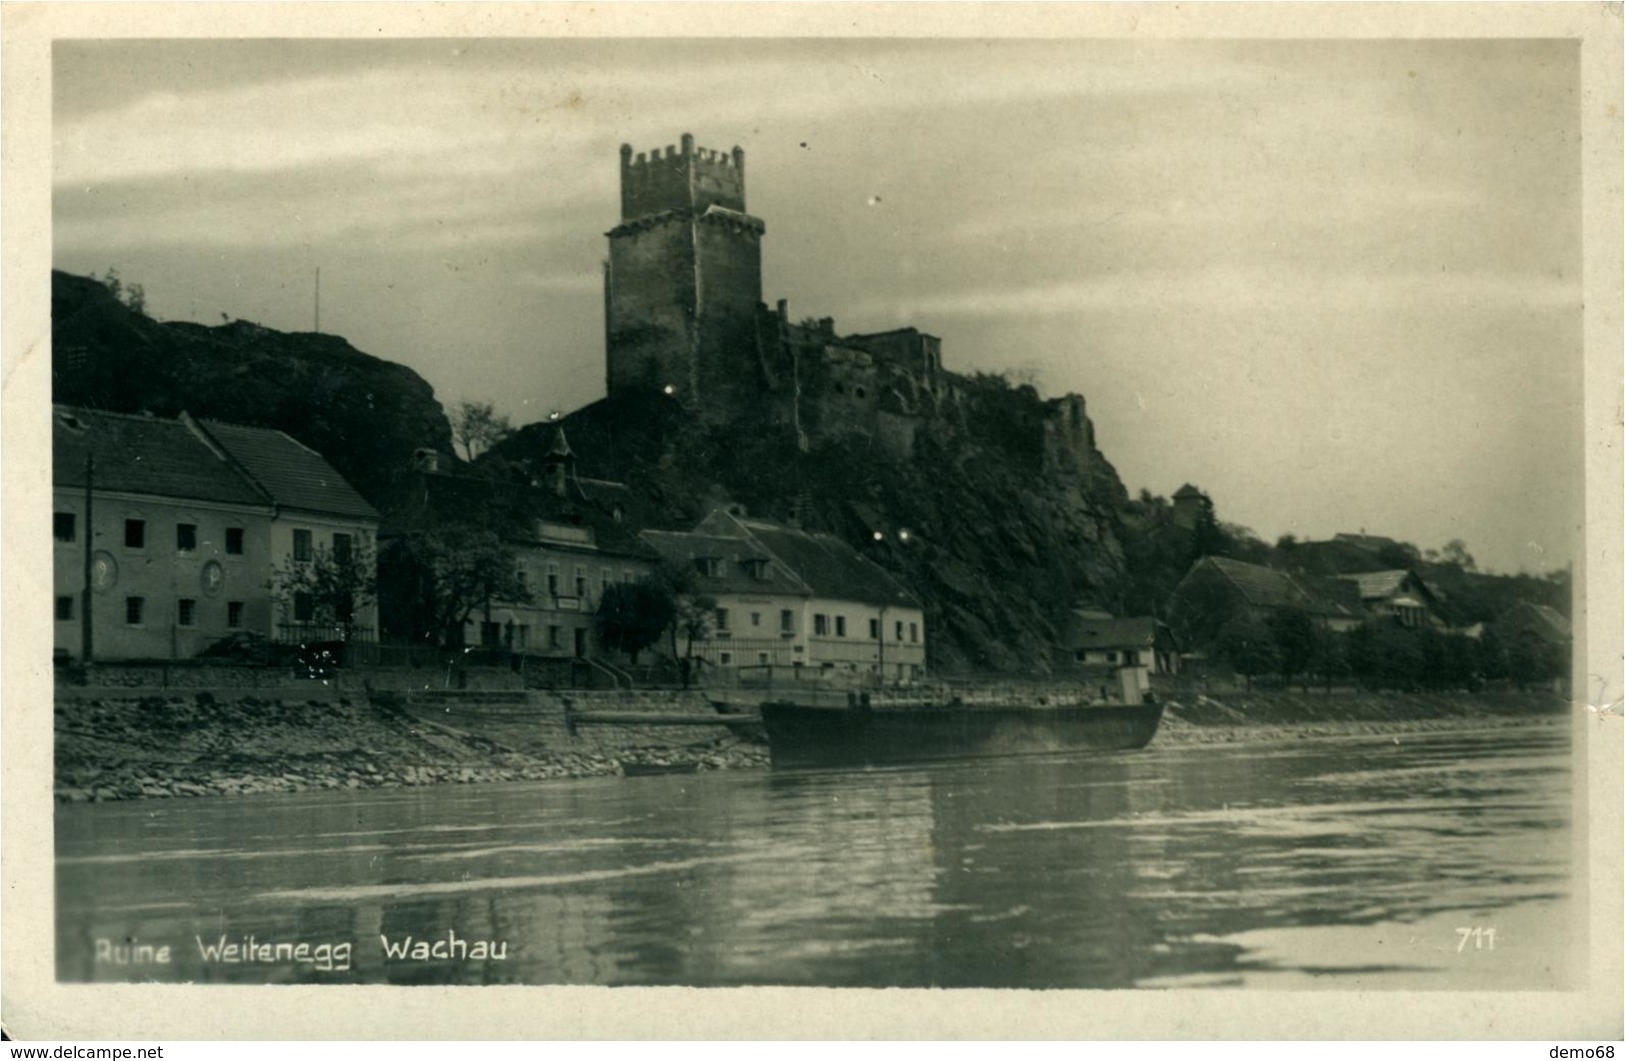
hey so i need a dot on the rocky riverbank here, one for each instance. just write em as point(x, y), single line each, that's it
point(1195, 718)
point(115, 747)
point(170, 744)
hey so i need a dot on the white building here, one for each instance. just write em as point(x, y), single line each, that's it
point(790, 600)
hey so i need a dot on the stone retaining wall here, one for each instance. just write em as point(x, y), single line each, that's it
point(113, 743)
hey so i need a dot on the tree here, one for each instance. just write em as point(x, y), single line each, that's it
point(1295, 639)
point(476, 427)
point(1331, 660)
point(1207, 537)
point(433, 580)
point(1455, 552)
point(1249, 646)
point(693, 610)
point(632, 616)
point(1396, 659)
point(329, 588)
point(134, 296)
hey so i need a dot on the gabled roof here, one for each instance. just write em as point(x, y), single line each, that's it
point(738, 555)
point(1264, 587)
point(1388, 585)
point(513, 509)
point(824, 563)
point(1541, 619)
point(293, 474)
point(1378, 585)
point(145, 455)
point(1367, 541)
point(1089, 632)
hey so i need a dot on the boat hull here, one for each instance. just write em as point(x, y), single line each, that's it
point(803, 735)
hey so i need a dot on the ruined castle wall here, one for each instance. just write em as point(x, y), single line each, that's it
point(681, 177)
point(730, 292)
point(650, 298)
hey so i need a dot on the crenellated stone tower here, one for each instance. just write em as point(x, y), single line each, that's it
point(684, 278)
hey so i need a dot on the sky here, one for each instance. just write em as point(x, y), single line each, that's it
point(1335, 284)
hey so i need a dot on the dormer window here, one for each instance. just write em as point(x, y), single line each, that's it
point(710, 566)
point(757, 568)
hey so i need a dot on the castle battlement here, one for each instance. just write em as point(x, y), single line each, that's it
point(681, 177)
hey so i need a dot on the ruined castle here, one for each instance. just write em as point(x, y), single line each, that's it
point(684, 314)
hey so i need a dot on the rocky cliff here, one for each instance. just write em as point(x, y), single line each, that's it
point(364, 414)
point(1000, 544)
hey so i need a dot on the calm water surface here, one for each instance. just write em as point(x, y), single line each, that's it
point(1346, 863)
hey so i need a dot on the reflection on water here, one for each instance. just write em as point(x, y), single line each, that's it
point(1345, 863)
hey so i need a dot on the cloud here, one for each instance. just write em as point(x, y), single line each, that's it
point(1236, 289)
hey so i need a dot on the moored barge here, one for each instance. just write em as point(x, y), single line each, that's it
point(857, 728)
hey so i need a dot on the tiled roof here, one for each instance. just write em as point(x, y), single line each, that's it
point(831, 567)
point(1264, 587)
point(513, 509)
point(824, 563)
point(736, 554)
point(144, 455)
point(1367, 541)
point(1378, 585)
point(1546, 621)
point(293, 474)
point(1089, 632)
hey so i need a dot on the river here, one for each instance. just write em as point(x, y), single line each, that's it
point(1437, 860)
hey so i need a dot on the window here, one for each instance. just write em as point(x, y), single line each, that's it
point(342, 544)
point(787, 621)
point(135, 534)
point(301, 545)
point(840, 626)
point(522, 637)
point(899, 630)
point(722, 620)
point(234, 541)
point(913, 632)
point(490, 635)
point(761, 657)
point(521, 576)
point(64, 609)
point(756, 618)
point(304, 607)
point(726, 658)
point(1131, 658)
point(134, 607)
point(1111, 657)
point(553, 579)
point(820, 626)
point(234, 614)
point(581, 581)
point(626, 575)
point(712, 566)
point(555, 636)
point(185, 537)
point(874, 629)
point(605, 577)
point(186, 612)
point(63, 526)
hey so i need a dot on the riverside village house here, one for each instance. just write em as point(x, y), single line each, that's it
point(794, 603)
point(188, 523)
point(570, 536)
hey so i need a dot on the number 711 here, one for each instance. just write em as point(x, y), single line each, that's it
point(1483, 938)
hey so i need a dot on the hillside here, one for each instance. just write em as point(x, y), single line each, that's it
point(999, 547)
point(364, 414)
